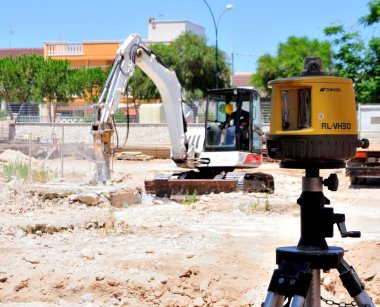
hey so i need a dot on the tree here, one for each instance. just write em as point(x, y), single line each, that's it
point(31, 78)
point(192, 60)
point(289, 60)
point(86, 83)
point(267, 70)
point(18, 77)
point(8, 77)
point(142, 87)
point(194, 63)
point(52, 83)
point(358, 60)
point(374, 13)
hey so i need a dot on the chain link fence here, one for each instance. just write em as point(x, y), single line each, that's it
point(30, 158)
point(83, 112)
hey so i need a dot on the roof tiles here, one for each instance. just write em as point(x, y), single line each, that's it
point(15, 52)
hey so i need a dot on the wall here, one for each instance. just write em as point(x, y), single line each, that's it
point(90, 54)
point(139, 134)
point(168, 30)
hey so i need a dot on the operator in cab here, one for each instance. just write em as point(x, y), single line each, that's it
point(238, 118)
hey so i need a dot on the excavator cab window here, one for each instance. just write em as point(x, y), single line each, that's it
point(255, 129)
point(219, 110)
point(231, 116)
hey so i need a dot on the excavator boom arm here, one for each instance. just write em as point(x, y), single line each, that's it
point(133, 52)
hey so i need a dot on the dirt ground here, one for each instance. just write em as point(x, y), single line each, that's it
point(219, 250)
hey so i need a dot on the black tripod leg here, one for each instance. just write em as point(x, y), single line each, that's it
point(354, 286)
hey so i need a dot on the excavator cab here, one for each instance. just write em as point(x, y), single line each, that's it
point(233, 121)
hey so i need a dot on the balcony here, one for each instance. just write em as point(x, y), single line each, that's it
point(64, 49)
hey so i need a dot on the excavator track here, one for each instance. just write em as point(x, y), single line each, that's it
point(247, 182)
point(169, 187)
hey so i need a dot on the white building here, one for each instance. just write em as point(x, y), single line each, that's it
point(165, 31)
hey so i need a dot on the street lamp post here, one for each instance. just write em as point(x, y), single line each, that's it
point(216, 25)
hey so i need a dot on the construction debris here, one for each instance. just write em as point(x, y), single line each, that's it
point(156, 151)
point(132, 155)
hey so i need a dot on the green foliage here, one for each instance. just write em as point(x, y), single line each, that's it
point(7, 79)
point(374, 13)
point(289, 60)
point(292, 54)
point(87, 119)
point(194, 63)
point(3, 115)
point(20, 170)
point(357, 59)
point(41, 175)
point(18, 78)
point(267, 70)
point(52, 81)
point(142, 87)
point(368, 85)
point(110, 221)
point(15, 169)
point(257, 206)
point(190, 199)
point(266, 203)
point(31, 78)
point(87, 83)
point(120, 117)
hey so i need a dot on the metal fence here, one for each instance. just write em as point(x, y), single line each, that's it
point(30, 159)
point(83, 112)
point(57, 119)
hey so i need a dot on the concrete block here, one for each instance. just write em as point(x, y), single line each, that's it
point(124, 198)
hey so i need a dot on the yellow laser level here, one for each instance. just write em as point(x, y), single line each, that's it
point(313, 119)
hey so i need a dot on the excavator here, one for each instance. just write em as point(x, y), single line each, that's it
point(231, 138)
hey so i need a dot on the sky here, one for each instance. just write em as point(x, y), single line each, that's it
point(251, 29)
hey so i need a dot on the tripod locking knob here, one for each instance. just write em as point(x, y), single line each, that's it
point(331, 182)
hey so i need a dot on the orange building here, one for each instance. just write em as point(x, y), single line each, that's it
point(85, 54)
point(102, 53)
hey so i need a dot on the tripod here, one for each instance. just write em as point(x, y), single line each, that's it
point(297, 278)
